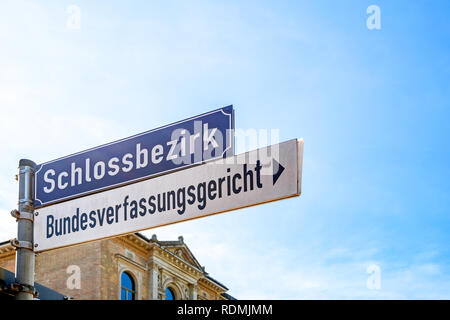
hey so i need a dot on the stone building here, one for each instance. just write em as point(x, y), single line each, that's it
point(126, 267)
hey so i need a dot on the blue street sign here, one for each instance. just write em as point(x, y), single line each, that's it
point(178, 145)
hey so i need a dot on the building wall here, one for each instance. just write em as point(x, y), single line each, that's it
point(8, 262)
point(55, 268)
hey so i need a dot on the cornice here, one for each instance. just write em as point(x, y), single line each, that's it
point(211, 284)
point(118, 256)
point(166, 255)
point(6, 250)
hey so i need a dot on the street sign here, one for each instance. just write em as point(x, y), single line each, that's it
point(194, 140)
point(263, 175)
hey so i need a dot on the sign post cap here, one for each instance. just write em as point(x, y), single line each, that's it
point(26, 163)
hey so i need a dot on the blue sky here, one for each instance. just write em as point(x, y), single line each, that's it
point(371, 105)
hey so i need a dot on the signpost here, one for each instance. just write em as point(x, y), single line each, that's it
point(260, 176)
point(145, 181)
point(165, 149)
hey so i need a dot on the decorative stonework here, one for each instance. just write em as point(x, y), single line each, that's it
point(159, 281)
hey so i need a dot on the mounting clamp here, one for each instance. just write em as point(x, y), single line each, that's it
point(13, 288)
point(22, 215)
point(21, 244)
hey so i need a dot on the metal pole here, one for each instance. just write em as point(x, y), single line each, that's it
point(24, 242)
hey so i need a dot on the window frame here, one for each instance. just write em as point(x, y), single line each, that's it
point(172, 291)
point(133, 290)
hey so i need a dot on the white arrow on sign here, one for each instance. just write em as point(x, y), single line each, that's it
point(259, 176)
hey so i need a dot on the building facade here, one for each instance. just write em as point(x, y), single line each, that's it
point(126, 267)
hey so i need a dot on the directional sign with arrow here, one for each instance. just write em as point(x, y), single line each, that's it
point(260, 176)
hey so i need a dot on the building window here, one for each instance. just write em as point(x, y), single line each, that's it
point(127, 287)
point(169, 294)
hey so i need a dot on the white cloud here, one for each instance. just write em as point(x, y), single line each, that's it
point(265, 270)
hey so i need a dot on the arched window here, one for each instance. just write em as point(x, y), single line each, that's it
point(127, 287)
point(169, 294)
